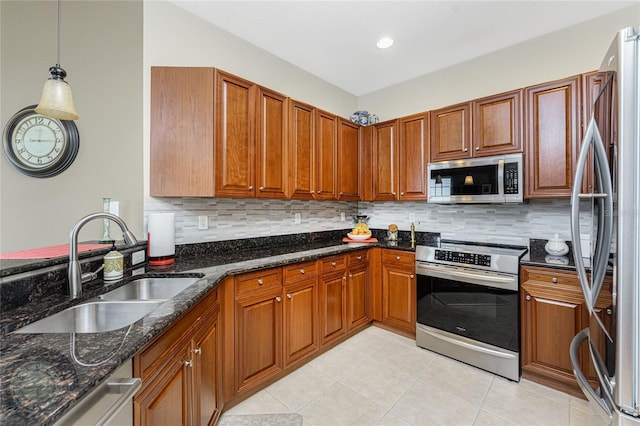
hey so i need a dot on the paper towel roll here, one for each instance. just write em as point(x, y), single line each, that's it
point(161, 238)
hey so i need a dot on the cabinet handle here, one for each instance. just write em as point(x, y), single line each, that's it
point(402, 193)
point(609, 311)
point(333, 264)
point(350, 275)
point(341, 193)
point(527, 297)
point(302, 271)
point(261, 188)
point(393, 192)
point(188, 363)
point(397, 257)
point(411, 276)
point(477, 148)
point(278, 299)
point(465, 150)
point(260, 281)
point(312, 192)
point(319, 192)
point(250, 188)
point(359, 257)
point(554, 280)
point(344, 278)
point(288, 295)
point(197, 351)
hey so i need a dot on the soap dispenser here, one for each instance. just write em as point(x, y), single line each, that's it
point(113, 264)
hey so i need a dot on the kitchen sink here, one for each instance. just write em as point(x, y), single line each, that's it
point(150, 288)
point(93, 317)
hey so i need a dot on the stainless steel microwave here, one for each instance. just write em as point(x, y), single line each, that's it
point(497, 179)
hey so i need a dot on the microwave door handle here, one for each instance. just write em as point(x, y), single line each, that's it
point(575, 215)
point(574, 350)
point(501, 177)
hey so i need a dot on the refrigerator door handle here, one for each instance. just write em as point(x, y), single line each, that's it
point(604, 410)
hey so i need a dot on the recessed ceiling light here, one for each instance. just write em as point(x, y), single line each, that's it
point(384, 43)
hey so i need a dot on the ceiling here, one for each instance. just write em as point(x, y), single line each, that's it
point(335, 40)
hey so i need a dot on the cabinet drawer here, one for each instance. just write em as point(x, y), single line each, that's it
point(398, 257)
point(358, 258)
point(334, 264)
point(550, 277)
point(260, 280)
point(300, 271)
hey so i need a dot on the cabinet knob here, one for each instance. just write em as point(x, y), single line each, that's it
point(302, 271)
point(397, 257)
point(344, 278)
point(359, 257)
point(250, 188)
point(260, 281)
point(261, 188)
point(312, 192)
point(197, 351)
point(341, 193)
point(393, 192)
point(554, 280)
point(477, 148)
point(188, 363)
point(527, 297)
point(278, 299)
point(402, 193)
point(350, 275)
point(465, 150)
point(288, 295)
point(412, 276)
point(333, 264)
point(609, 311)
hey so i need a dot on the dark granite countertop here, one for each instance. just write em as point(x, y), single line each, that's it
point(45, 375)
point(537, 256)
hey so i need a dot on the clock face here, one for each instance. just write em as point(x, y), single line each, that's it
point(40, 146)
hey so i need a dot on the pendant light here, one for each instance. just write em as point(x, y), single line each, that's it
point(57, 101)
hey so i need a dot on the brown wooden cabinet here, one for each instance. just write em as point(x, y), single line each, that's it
point(384, 160)
point(451, 132)
point(553, 311)
point(552, 137)
point(358, 299)
point(399, 290)
point(181, 371)
point(181, 126)
point(333, 298)
point(326, 161)
point(302, 146)
point(272, 125)
point(349, 160)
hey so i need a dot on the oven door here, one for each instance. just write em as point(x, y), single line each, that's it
point(479, 305)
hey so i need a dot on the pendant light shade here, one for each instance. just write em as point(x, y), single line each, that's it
point(57, 101)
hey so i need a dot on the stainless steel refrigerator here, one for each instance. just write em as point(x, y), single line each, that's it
point(608, 215)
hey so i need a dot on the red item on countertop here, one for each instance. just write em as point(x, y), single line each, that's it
point(49, 252)
point(368, 240)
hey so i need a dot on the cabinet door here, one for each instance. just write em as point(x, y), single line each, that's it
point(384, 161)
point(181, 147)
point(349, 161)
point(497, 124)
point(358, 296)
point(451, 132)
point(167, 400)
point(301, 151)
point(399, 297)
point(326, 164)
point(333, 312)
point(552, 137)
point(234, 136)
point(413, 144)
point(272, 159)
point(258, 338)
point(207, 371)
point(300, 320)
point(550, 320)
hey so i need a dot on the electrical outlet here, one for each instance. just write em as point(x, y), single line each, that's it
point(203, 222)
point(296, 218)
point(342, 217)
point(412, 217)
point(137, 257)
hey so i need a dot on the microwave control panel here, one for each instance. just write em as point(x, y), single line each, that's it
point(511, 178)
point(463, 257)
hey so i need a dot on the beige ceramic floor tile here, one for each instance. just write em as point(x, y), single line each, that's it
point(410, 360)
point(337, 362)
point(378, 382)
point(426, 405)
point(485, 418)
point(366, 342)
point(458, 378)
point(340, 405)
point(585, 418)
point(391, 419)
point(518, 404)
point(261, 403)
point(300, 387)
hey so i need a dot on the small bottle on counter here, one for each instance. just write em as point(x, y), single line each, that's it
point(113, 264)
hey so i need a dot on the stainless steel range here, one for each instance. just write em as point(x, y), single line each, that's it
point(468, 304)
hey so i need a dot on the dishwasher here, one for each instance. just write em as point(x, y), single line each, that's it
point(111, 403)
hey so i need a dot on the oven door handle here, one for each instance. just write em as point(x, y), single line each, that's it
point(476, 348)
point(499, 281)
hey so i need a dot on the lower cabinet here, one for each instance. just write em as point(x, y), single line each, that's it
point(399, 290)
point(180, 371)
point(333, 299)
point(553, 311)
point(358, 300)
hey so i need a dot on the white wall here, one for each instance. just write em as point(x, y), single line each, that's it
point(101, 50)
point(564, 53)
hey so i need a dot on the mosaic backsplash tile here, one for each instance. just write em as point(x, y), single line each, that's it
point(231, 218)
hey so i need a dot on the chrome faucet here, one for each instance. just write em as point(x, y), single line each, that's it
point(76, 277)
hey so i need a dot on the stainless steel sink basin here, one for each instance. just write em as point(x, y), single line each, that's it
point(150, 288)
point(93, 317)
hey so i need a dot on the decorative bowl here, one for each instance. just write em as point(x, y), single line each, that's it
point(358, 237)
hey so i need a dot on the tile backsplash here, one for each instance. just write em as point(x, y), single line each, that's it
point(233, 218)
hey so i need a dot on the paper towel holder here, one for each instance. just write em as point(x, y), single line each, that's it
point(161, 239)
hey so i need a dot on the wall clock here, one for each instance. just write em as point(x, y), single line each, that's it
point(38, 145)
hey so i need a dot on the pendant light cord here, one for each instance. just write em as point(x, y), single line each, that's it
point(58, 62)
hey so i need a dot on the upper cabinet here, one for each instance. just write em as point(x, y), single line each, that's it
point(483, 127)
point(272, 135)
point(181, 146)
point(302, 144)
point(552, 137)
point(326, 156)
point(349, 162)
